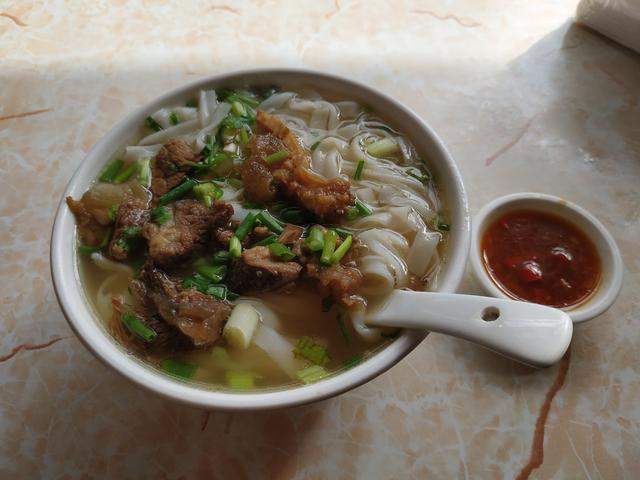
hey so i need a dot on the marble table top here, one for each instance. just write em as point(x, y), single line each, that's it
point(524, 99)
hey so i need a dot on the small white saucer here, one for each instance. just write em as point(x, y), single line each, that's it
point(612, 269)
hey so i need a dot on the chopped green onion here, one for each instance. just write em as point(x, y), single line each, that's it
point(246, 226)
point(342, 232)
point(178, 192)
point(196, 281)
point(442, 225)
point(206, 193)
point(173, 118)
point(113, 211)
point(266, 241)
point(382, 148)
point(327, 303)
point(217, 291)
point(240, 380)
point(353, 361)
point(238, 109)
point(152, 124)
point(341, 250)
point(312, 351)
point(315, 240)
point(330, 239)
point(251, 205)
point(295, 215)
point(221, 257)
point(271, 223)
point(235, 182)
point(312, 374)
point(214, 273)
point(178, 368)
point(125, 174)
point(144, 171)
point(105, 241)
point(281, 251)
point(359, 210)
point(342, 313)
point(161, 215)
point(315, 145)
point(139, 329)
point(418, 176)
point(359, 168)
point(276, 157)
point(244, 136)
point(278, 206)
point(110, 172)
point(235, 248)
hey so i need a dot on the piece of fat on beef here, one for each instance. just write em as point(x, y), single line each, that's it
point(186, 232)
point(131, 216)
point(256, 270)
point(169, 167)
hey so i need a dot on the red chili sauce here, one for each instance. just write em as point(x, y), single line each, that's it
point(541, 258)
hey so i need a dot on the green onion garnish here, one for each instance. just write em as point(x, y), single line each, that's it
point(221, 257)
point(418, 176)
point(359, 168)
point(125, 174)
point(276, 157)
point(238, 109)
point(246, 226)
point(315, 145)
point(266, 241)
point(281, 251)
point(343, 327)
point(295, 215)
point(214, 273)
point(206, 193)
point(341, 250)
point(359, 210)
point(327, 303)
point(105, 241)
point(330, 239)
point(235, 247)
point(240, 380)
point(152, 124)
point(144, 171)
point(270, 222)
point(342, 232)
point(178, 368)
point(315, 240)
point(312, 374)
point(244, 136)
point(382, 148)
point(219, 292)
point(235, 182)
point(113, 211)
point(312, 351)
point(139, 329)
point(353, 361)
point(251, 205)
point(110, 172)
point(173, 118)
point(178, 192)
point(161, 215)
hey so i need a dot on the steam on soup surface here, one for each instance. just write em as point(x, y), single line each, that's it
point(240, 241)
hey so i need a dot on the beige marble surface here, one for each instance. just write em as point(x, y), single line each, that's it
point(524, 100)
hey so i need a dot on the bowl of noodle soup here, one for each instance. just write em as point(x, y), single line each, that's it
point(402, 220)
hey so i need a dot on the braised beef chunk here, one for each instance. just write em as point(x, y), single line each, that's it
point(328, 199)
point(168, 338)
point(131, 216)
point(92, 232)
point(340, 281)
point(256, 270)
point(196, 315)
point(257, 179)
point(186, 233)
point(169, 167)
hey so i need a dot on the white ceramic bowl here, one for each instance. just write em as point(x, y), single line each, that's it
point(612, 270)
point(89, 328)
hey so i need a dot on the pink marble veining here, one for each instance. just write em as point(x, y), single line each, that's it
point(524, 100)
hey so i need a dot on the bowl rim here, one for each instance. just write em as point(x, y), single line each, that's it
point(84, 322)
point(582, 312)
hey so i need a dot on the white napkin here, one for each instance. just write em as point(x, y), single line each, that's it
point(616, 19)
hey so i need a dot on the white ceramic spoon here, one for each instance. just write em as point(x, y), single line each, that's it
point(526, 332)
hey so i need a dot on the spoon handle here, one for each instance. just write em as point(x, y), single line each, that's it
point(533, 334)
